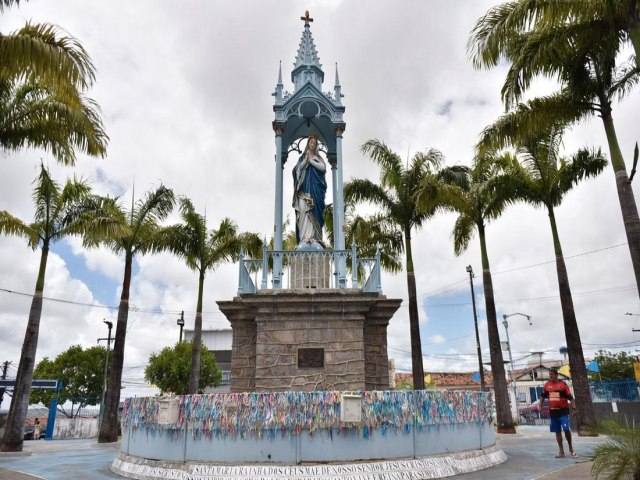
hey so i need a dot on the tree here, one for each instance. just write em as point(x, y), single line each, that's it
point(170, 369)
point(395, 196)
point(545, 178)
point(478, 194)
point(141, 227)
point(59, 212)
point(582, 57)
point(82, 375)
point(615, 366)
point(42, 82)
point(203, 250)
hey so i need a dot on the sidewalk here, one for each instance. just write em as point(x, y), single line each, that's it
point(531, 456)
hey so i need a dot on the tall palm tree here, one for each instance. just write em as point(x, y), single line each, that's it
point(544, 179)
point(203, 250)
point(395, 196)
point(478, 194)
point(59, 212)
point(42, 82)
point(583, 58)
point(140, 237)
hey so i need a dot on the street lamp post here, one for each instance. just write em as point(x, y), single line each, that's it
point(475, 321)
point(513, 377)
point(181, 323)
point(106, 362)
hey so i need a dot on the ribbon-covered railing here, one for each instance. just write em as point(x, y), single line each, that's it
point(268, 413)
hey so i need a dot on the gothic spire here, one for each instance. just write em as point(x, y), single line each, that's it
point(307, 67)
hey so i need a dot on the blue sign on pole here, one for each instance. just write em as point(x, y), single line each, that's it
point(53, 407)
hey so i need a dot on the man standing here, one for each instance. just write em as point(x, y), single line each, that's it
point(560, 397)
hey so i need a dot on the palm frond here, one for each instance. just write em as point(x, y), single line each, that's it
point(584, 163)
point(530, 119)
point(389, 161)
point(362, 190)
point(627, 77)
point(46, 194)
point(38, 52)
point(10, 225)
point(463, 231)
point(33, 116)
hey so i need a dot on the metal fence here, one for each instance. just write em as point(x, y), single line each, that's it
point(303, 269)
point(530, 413)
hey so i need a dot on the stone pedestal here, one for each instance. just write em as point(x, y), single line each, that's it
point(309, 340)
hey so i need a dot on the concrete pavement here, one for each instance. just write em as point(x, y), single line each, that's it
point(531, 456)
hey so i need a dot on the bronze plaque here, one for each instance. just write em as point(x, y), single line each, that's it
point(310, 357)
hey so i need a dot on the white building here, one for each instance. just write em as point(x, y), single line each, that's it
point(218, 342)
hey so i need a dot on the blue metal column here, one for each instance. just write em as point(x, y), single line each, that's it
point(334, 193)
point(339, 208)
point(53, 407)
point(277, 240)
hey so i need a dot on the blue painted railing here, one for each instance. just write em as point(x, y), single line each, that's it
point(317, 269)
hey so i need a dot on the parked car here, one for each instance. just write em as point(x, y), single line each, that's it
point(533, 411)
point(28, 432)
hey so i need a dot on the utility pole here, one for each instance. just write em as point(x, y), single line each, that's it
point(513, 376)
point(181, 324)
point(475, 321)
point(106, 363)
point(5, 367)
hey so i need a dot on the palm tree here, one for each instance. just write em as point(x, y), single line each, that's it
point(544, 180)
point(60, 212)
point(203, 250)
point(583, 58)
point(139, 238)
point(42, 81)
point(395, 196)
point(619, 457)
point(479, 194)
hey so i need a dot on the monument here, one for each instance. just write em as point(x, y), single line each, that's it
point(310, 391)
point(302, 328)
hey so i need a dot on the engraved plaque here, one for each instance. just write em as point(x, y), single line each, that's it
point(351, 408)
point(310, 357)
point(168, 411)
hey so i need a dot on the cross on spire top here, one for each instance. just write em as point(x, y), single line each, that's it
point(306, 18)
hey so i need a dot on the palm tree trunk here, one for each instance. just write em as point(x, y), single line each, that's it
point(625, 193)
point(503, 410)
point(13, 438)
point(581, 392)
point(414, 320)
point(109, 425)
point(194, 376)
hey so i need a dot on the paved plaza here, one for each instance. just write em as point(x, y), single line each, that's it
point(531, 456)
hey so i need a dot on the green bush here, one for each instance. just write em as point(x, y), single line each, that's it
point(618, 458)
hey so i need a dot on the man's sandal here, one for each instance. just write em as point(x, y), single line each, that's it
point(574, 454)
point(560, 455)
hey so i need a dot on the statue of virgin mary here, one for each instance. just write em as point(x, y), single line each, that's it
point(309, 189)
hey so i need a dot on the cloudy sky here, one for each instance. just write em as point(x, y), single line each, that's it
point(186, 99)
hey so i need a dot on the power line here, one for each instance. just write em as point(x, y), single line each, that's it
point(133, 308)
point(554, 261)
point(588, 293)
